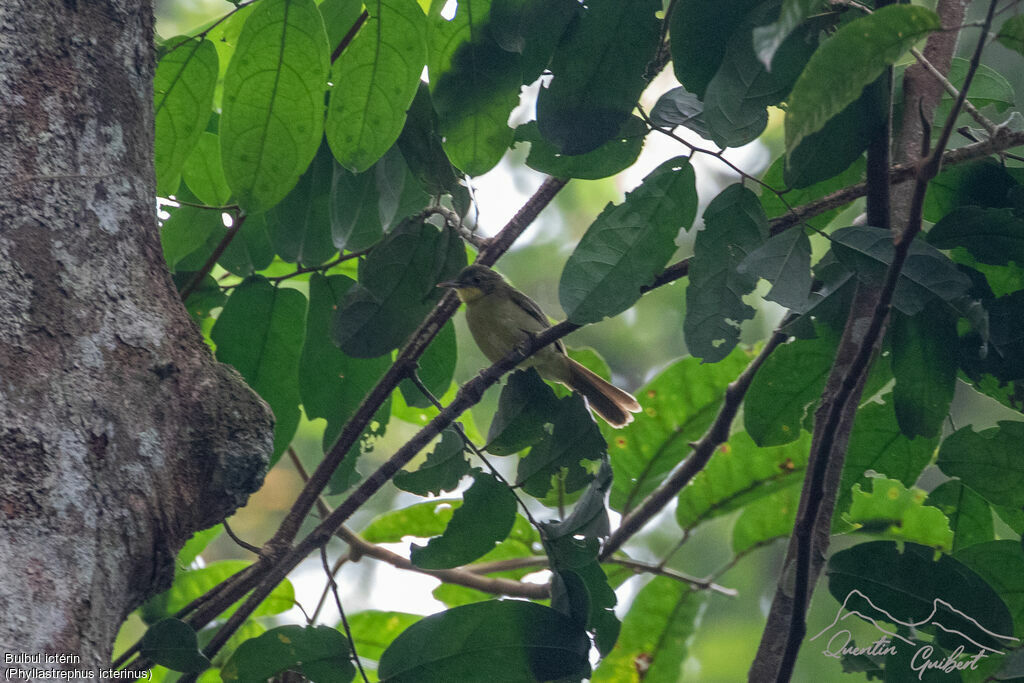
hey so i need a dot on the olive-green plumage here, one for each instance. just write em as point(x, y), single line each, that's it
point(501, 318)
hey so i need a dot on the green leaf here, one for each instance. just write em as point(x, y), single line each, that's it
point(420, 144)
point(598, 70)
point(400, 194)
point(485, 518)
point(855, 56)
point(190, 230)
point(785, 261)
point(768, 39)
point(580, 589)
point(589, 517)
point(1001, 564)
point(321, 653)
point(678, 406)
point(422, 519)
point(195, 545)
point(204, 173)
point(526, 404)
point(355, 210)
point(734, 226)
point(524, 642)
point(657, 631)
point(1005, 359)
point(260, 332)
point(786, 388)
point(988, 89)
point(189, 585)
point(970, 517)
point(994, 236)
point(927, 273)
point(629, 244)
point(987, 461)
point(207, 296)
point(1011, 33)
point(766, 519)
point(475, 85)
point(924, 362)
point(896, 512)
point(397, 287)
point(737, 96)
point(373, 630)
point(610, 158)
point(339, 18)
point(436, 368)
point(740, 472)
point(944, 597)
point(574, 439)
point(173, 643)
point(983, 183)
point(677, 107)
point(182, 98)
point(700, 34)
point(443, 469)
point(272, 119)
point(877, 444)
point(375, 79)
point(299, 225)
point(250, 250)
point(531, 28)
point(775, 206)
point(333, 385)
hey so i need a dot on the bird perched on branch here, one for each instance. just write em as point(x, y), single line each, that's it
point(500, 317)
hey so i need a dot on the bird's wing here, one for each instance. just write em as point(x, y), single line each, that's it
point(531, 307)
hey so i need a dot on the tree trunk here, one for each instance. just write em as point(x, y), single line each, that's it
point(120, 436)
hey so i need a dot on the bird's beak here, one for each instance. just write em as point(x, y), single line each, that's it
point(448, 284)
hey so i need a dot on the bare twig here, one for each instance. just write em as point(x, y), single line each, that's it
point(236, 225)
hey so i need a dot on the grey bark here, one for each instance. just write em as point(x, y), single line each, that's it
point(120, 435)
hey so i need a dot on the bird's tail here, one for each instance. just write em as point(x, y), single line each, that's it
point(607, 400)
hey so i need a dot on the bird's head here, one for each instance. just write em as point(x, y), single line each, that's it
point(474, 282)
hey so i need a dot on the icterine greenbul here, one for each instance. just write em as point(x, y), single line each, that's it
point(501, 318)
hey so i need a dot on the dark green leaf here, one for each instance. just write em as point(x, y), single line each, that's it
point(443, 469)
point(988, 89)
point(299, 226)
point(924, 362)
point(436, 369)
point(531, 28)
point(598, 71)
point(927, 273)
point(250, 250)
point(574, 438)
point(1011, 34)
point(204, 173)
point(590, 516)
point(273, 110)
point(397, 287)
point(877, 444)
point(260, 332)
point(1001, 564)
point(607, 160)
point(970, 517)
point(207, 296)
point(173, 643)
point(678, 406)
point(734, 226)
point(1005, 359)
point(768, 39)
point(984, 183)
point(332, 385)
point(988, 461)
point(629, 244)
point(319, 652)
point(786, 388)
point(400, 194)
point(700, 34)
point(737, 96)
point(677, 107)
point(524, 642)
point(339, 18)
point(485, 518)
point(375, 79)
point(182, 98)
point(994, 236)
point(855, 56)
point(834, 150)
point(740, 472)
point(580, 588)
point(373, 630)
point(525, 406)
point(657, 631)
point(775, 206)
point(189, 236)
point(942, 596)
point(785, 261)
point(475, 85)
point(892, 510)
point(420, 144)
point(355, 214)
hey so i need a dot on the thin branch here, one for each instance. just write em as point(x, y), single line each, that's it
point(236, 225)
point(341, 610)
point(948, 86)
point(347, 39)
